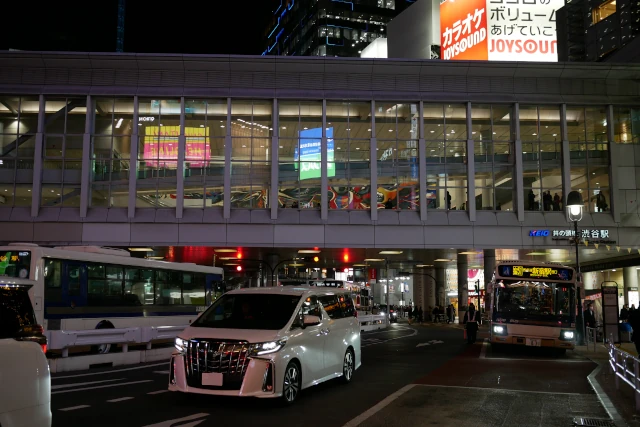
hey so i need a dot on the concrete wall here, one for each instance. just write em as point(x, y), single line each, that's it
point(411, 34)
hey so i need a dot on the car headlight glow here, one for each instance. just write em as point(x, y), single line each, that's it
point(269, 347)
point(568, 335)
point(180, 345)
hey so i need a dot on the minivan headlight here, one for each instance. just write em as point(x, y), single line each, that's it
point(180, 345)
point(262, 348)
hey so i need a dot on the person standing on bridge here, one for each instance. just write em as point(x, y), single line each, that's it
point(471, 322)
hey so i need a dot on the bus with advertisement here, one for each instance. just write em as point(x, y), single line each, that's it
point(91, 287)
point(533, 304)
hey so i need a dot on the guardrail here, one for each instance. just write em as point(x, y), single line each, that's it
point(591, 337)
point(626, 368)
point(64, 340)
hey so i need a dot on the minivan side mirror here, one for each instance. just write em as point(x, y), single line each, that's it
point(310, 320)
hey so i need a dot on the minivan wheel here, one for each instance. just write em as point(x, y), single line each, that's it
point(348, 366)
point(292, 383)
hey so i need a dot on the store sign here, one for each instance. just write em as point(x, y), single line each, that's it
point(499, 30)
point(592, 235)
point(528, 272)
point(146, 119)
point(309, 153)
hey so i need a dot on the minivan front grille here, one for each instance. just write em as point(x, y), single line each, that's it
point(229, 358)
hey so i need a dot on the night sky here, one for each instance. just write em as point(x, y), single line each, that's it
point(231, 27)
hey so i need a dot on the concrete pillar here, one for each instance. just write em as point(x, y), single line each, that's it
point(630, 278)
point(419, 290)
point(489, 256)
point(430, 288)
point(441, 286)
point(463, 286)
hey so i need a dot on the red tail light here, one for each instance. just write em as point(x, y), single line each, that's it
point(44, 348)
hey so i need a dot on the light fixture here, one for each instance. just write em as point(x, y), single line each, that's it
point(227, 258)
point(359, 265)
point(140, 249)
point(296, 265)
point(442, 260)
point(225, 250)
point(538, 253)
point(230, 263)
point(119, 123)
point(374, 259)
point(308, 251)
point(424, 265)
point(390, 252)
point(470, 253)
point(574, 206)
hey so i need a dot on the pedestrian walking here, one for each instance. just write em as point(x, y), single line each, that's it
point(471, 324)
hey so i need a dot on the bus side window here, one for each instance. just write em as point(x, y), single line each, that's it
point(193, 289)
point(52, 280)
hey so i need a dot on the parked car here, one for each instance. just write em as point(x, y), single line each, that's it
point(25, 395)
point(268, 342)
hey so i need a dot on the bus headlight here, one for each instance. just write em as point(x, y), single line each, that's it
point(567, 335)
point(499, 330)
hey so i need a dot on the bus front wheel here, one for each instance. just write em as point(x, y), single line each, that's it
point(103, 348)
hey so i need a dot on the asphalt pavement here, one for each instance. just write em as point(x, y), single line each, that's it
point(410, 375)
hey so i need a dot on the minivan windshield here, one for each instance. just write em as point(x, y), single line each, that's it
point(16, 311)
point(249, 311)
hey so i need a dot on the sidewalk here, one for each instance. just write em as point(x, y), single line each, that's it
point(604, 383)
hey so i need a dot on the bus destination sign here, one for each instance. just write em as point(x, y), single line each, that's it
point(541, 272)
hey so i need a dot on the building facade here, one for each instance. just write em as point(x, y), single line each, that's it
point(597, 30)
point(328, 27)
point(119, 149)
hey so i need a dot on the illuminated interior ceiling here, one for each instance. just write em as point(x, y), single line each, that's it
point(409, 259)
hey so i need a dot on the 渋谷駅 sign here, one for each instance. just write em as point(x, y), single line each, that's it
point(591, 235)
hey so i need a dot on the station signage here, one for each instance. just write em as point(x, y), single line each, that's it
point(592, 235)
point(499, 30)
point(529, 272)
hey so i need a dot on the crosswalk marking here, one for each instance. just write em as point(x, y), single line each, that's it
point(73, 408)
point(158, 392)
point(120, 399)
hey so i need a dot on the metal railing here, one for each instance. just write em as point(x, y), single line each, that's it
point(64, 340)
point(626, 368)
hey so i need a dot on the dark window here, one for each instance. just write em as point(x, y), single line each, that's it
point(53, 280)
point(74, 279)
point(193, 289)
point(331, 306)
point(168, 287)
point(105, 286)
point(311, 306)
point(346, 304)
point(249, 311)
point(16, 311)
point(139, 286)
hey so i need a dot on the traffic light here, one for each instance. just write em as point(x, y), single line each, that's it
point(345, 257)
point(239, 255)
point(316, 259)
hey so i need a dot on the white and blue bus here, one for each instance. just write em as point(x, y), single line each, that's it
point(90, 287)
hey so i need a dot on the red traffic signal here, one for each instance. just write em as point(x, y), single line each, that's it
point(239, 256)
point(346, 257)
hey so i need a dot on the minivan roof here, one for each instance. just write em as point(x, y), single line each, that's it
point(288, 290)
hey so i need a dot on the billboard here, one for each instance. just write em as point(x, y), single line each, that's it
point(309, 153)
point(499, 30)
point(161, 146)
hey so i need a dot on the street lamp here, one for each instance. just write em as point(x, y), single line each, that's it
point(574, 212)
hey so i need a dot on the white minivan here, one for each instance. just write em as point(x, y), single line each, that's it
point(268, 342)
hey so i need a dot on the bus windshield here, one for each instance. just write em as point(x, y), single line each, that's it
point(15, 264)
point(525, 299)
